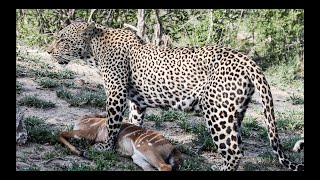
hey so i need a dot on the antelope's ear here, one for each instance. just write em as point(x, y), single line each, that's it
point(88, 31)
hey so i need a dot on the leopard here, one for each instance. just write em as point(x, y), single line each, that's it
point(147, 148)
point(214, 81)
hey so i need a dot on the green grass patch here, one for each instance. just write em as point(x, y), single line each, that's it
point(83, 98)
point(285, 76)
point(39, 131)
point(203, 138)
point(156, 119)
point(169, 116)
point(100, 86)
point(250, 166)
point(56, 74)
point(261, 165)
point(81, 144)
point(75, 166)
point(21, 71)
point(64, 94)
point(192, 161)
point(251, 128)
point(265, 161)
point(19, 86)
point(173, 116)
point(106, 155)
point(129, 166)
point(295, 99)
point(34, 101)
point(68, 84)
point(46, 82)
point(50, 155)
point(194, 164)
point(32, 168)
point(23, 55)
point(103, 161)
point(296, 157)
point(290, 120)
point(288, 143)
point(186, 150)
point(268, 155)
point(38, 68)
point(184, 124)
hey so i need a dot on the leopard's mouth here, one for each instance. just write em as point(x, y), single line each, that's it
point(63, 62)
point(60, 60)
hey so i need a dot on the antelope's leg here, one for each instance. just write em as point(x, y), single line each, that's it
point(73, 134)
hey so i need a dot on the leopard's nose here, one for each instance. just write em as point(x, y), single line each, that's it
point(49, 50)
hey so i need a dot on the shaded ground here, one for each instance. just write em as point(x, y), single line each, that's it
point(45, 156)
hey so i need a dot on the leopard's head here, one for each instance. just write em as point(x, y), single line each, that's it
point(72, 42)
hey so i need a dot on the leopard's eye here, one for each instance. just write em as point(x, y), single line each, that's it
point(62, 40)
point(60, 36)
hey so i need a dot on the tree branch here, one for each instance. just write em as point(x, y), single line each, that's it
point(210, 26)
point(140, 24)
point(130, 26)
point(91, 13)
point(158, 31)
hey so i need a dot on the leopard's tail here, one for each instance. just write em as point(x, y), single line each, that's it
point(299, 146)
point(261, 85)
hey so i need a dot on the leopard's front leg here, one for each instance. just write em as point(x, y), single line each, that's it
point(115, 76)
point(116, 105)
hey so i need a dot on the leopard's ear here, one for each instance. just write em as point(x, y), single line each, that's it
point(91, 25)
point(67, 22)
point(88, 31)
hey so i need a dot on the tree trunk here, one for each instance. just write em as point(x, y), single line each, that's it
point(141, 24)
point(71, 14)
point(301, 53)
point(59, 15)
point(91, 13)
point(158, 31)
point(109, 17)
point(210, 26)
point(21, 13)
point(125, 17)
point(40, 21)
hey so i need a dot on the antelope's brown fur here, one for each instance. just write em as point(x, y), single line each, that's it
point(147, 148)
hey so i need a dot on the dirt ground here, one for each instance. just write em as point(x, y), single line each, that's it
point(32, 154)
